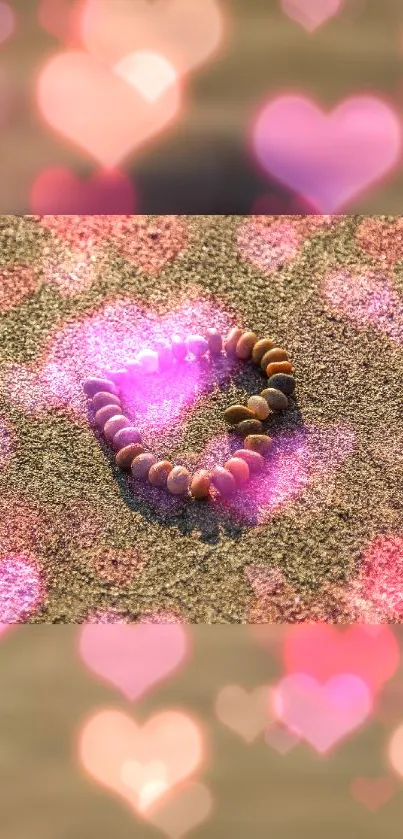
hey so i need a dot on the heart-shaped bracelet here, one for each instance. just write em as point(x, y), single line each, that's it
point(247, 421)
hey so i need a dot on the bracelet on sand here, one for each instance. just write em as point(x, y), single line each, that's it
point(246, 420)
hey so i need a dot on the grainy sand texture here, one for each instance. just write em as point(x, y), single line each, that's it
point(319, 536)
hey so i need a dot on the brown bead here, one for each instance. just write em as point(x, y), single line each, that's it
point(278, 367)
point(261, 347)
point(249, 426)
point(114, 425)
point(276, 354)
point(239, 469)
point(260, 443)
point(254, 460)
point(223, 480)
point(158, 474)
point(178, 480)
point(104, 398)
point(259, 406)
point(200, 485)
point(142, 464)
point(237, 413)
point(125, 457)
point(245, 345)
point(232, 339)
point(276, 399)
point(214, 341)
point(104, 414)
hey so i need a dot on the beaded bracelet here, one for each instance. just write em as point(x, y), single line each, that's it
point(246, 421)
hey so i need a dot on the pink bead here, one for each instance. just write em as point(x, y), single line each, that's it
point(114, 425)
point(223, 481)
point(126, 436)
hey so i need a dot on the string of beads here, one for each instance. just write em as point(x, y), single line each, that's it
point(246, 420)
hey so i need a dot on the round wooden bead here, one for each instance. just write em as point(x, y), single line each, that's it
point(200, 484)
point(259, 407)
point(278, 367)
point(254, 460)
point(159, 472)
point(114, 425)
point(249, 426)
point(261, 347)
point(197, 345)
point(178, 480)
point(232, 339)
point(260, 443)
point(237, 413)
point(276, 354)
point(223, 480)
point(142, 464)
point(124, 457)
point(275, 398)
point(95, 385)
point(245, 345)
point(104, 414)
point(125, 437)
point(282, 381)
point(179, 348)
point(239, 469)
point(214, 340)
point(104, 398)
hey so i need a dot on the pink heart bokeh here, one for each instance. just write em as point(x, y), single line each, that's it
point(322, 714)
point(328, 159)
point(61, 192)
point(99, 111)
point(324, 651)
point(62, 19)
point(134, 657)
point(7, 21)
point(168, 746)
point(184, 31)
point(311, 13)
point(373, 793)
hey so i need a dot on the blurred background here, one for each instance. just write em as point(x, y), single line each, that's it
point(48, 693)
point(201, 162)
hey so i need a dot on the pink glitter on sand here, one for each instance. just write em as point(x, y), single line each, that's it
point(107, 339)
point(367, 298)
point(268, 247)
point(377, 593)
point(72, 275)
point(149, 242)
point(20, 588)
point(382, 239)
point(6, 441)
point(298, 459)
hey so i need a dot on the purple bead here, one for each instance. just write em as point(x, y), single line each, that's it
point(179, 348)
point(95, 385)
point(223, 480)
point(197, 345)
point(126, 436)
